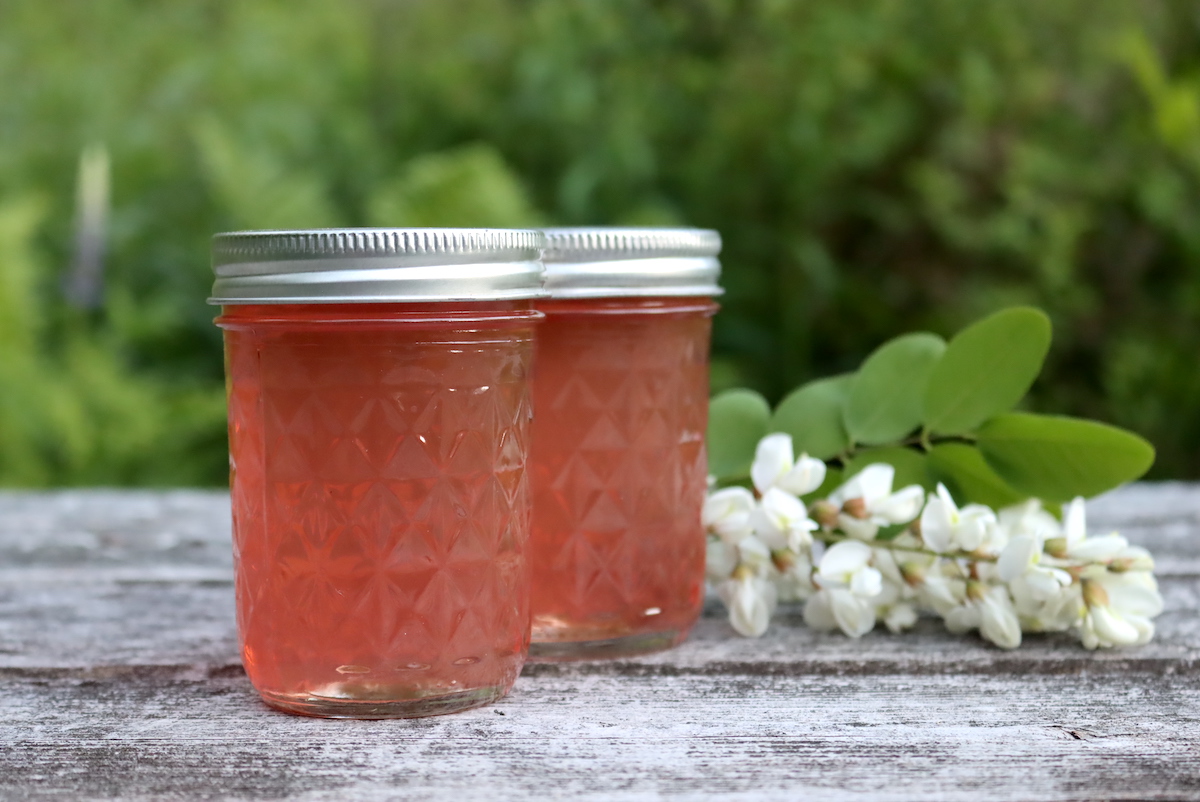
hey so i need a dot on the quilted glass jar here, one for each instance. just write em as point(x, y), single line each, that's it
point(618, 462)
point(379, 416)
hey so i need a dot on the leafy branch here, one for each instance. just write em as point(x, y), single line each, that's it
point(938, 411)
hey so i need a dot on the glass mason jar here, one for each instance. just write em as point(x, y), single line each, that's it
point(618, 462)
point(379, 416)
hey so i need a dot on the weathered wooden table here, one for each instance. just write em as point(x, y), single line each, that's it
point(121, 680)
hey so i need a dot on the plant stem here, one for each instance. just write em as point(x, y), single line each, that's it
point(829, 538)
point(926, 441)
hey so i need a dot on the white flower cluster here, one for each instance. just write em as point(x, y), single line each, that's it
point(867, 554)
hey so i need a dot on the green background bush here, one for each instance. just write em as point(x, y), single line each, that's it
point(874, 166)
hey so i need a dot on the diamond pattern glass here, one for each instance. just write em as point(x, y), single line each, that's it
point(381, 504)
point(619, 468)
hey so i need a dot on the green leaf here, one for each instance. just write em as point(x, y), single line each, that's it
point(812, 415)
point(969, 478)
point(886, 398)
point(1058, 458)
point(909, 464)
point(987, 368)
point(737, 420)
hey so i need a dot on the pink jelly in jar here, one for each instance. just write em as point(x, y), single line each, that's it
point(618, 462)
point(379, 414)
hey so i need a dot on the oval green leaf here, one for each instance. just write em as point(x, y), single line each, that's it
point(969, 478)
point(737, 420)
point(987, 368)
point(812, 415)
point(1057, 458)
point(909, 463)
point(887, 397)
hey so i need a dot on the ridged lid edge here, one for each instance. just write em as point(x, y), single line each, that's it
point(450, 243)
point(377, 265)
point(607, 244)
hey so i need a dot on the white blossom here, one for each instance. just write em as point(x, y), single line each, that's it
point(726, 513)
point(847, 565)
point(837, 608)
point(750, 600)
point(899, 617)
point(781, 521)
point(1021, 559)
point(941, 590)
point(720, 558)
point(1100, 549)
point(1045, 597)
point(1040, 611)
point(774, 466)
point(1014, 570)
point(754, 555)
point(1027, 518)
point(990, 610)
point(1078, 546)
point(895, 604)
point(848, 584)
point(884, 561)
point(1020, 555)
point(867, 502)
point(794, 580)
point(944, 527)
point(1119, 609)
point(1132, 558)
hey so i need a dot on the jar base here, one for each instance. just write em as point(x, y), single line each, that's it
point(560, 651)
point(308, 704)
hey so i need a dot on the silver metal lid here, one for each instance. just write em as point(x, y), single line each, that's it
point(607, 262)
point(377, 265)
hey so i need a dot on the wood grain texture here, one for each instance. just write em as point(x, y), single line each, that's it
point(120, 679)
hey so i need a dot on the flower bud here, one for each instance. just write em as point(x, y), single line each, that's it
point(783, 559)
point(1094, 594)
point(913, 573)
point(825, 513)
point(742, 572)
point(1056, 547)
point(856, 508)
point(1123, 565)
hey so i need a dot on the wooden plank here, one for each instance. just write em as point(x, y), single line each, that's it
point(132, 533)
point(120, 679)
point(604, 737)
point(111, 578)
point(60, 625)
point(186, 528)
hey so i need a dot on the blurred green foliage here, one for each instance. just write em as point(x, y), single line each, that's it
point(873, 166)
